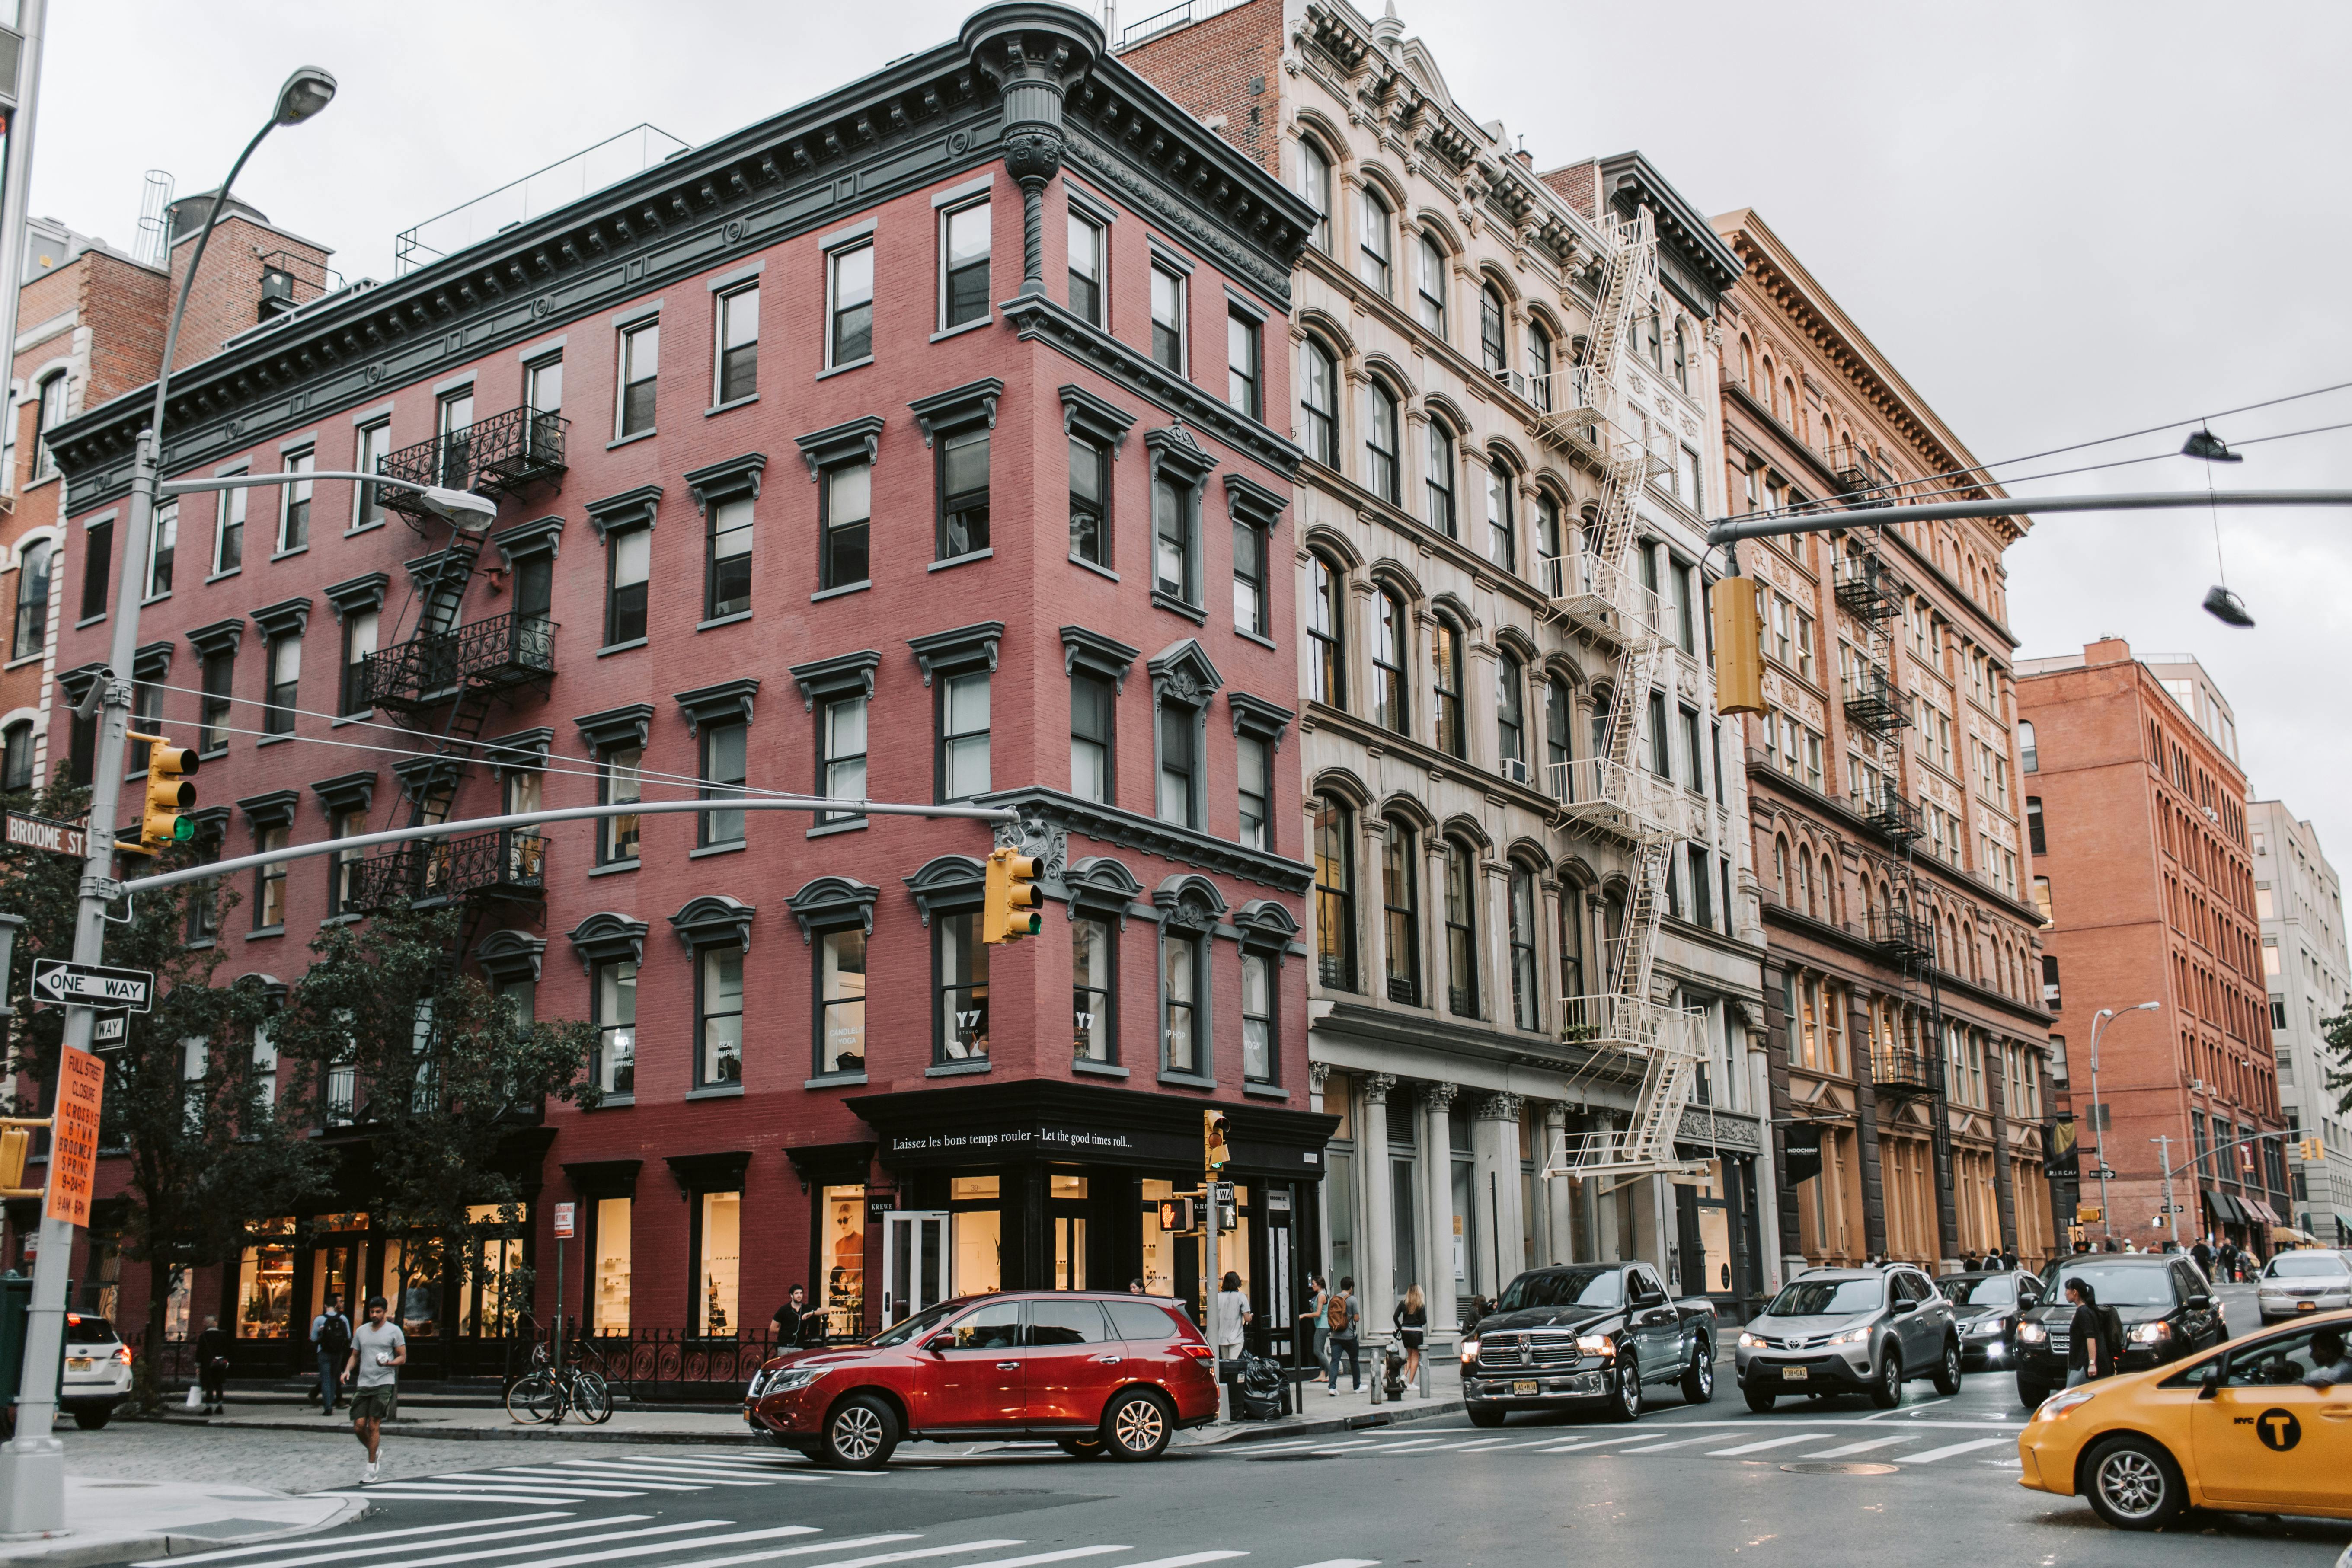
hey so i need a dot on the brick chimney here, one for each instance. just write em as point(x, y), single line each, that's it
point(2107, 650)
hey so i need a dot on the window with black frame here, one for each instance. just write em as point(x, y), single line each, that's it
point(718, 1017)
point(841, 755)
point(617, 1026)
point(1401, 911)
point(843, 521)
point(619, 781)
point(218, 676)
point(1243, 381)
point(1461, 933)
point(735, 375)
point(727, 574)
point(1510, 718)
point(1375, 243)
point(97, 568)
point(1178, 792)
point(1261, 1044)
point(963, 763)
point(1088, 252)
point(849, 310)
point(31, 632)
point(1445, 689)
point(841, 960)
point(1559, 726)
point(1250, 546)
point(1382, 468)
point(1328, 831)
point(1182, 963)
point(1491, 351)
point(963, 492)
point(964, 264)
point(1319, 404)
point(294, 512)
point(1326, 663)
point(16, 757)
point(1526, 1009)
point(1093, 709)
point(1315, 185)
point(628, 554)
point(640, 363)
point(1391, 637)
point(1428, 283)
point(1090, 502)
point(724, 769)
point(1440, 480)
point(1254, 771)
point(959, 961)
point(285, 665)
point(1167, 318)
point(1502, 525)
point(359, 631)
point(1094, 969)
point(1172, 526)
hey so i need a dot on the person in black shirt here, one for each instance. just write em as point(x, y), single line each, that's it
point(795, 1322)
point(2087, 1355)
point(212, 1365)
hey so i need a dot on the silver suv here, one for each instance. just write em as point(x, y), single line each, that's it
point(1850, 1330)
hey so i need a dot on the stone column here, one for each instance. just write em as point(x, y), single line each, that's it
point(1437, 1178)
point(1495, 935)
point(1377, 1243)
point(1558, 1214)
point(1548, 966)
point(1371, 923)
point(1032, 58)
point(1437, 977)
point(1318, 1075)
point(1502, 1227)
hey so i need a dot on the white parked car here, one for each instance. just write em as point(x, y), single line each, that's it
point(97, 1373)
point(2308, 1280)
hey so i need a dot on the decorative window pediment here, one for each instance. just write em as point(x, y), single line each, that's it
point(152, 662)
point(1176, 453)
point(1083, 414)
point(714, 920)
point(275, 809)
point(729, 703)
point(345, 792)
point(427, 774)
point(607, 938)
point(1101, 887)
point(284, 616)
point(973, 402)
point(832, 903)
point(727, 480)
point(525, 751)
point(623, 726)
point(630, 509)
point(852, 441)
point(721, 1173)
point(948, 881)
point(510, 955)
point(359, 594)
point(843, 675)
point(603, 1178)
point(959, 650)
point(212, 824)
point(443, 570)
point(221, 637)
point(1257, 717)
point(1182, 671)
point(1252, 502)
point(1097, 655)
point(1188, 901)
point(75, 683)
point(1265, 927)
point(524, 541)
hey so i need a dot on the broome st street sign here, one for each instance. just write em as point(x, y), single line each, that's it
point(26, 832)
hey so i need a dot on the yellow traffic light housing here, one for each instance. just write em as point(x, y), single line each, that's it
point(2310, 1151)
point(169, 797)
point(1013, 897)
point(1739, 607)
point(16, 1149)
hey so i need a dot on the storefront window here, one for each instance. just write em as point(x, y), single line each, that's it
point(1159, 1247)
point(843, 1257)
point(719, 1269)
point(1069, 1230)
point(265, 1284)
point(608, 1296)
point(176, 1305)
point(412, 1284)
point(492, 1284)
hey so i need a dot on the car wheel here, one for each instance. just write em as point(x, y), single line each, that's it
point(2133, 1483)
point(1698, 1378)
point(89, 1418)
point(1137, 1425)
point(1760, 1400)
point(1947, 1372)
point(860, 1433)
point(1081, 1448)
point(2030, 1393)
point(1625, 1400)
point(1886, 1388)
point(1484, 1415)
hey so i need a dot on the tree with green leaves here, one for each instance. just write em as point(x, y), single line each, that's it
point(2338, 1032)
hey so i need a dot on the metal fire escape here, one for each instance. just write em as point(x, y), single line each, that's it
point(1611, 794)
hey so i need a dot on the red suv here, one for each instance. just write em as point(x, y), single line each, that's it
point(1095, 1373)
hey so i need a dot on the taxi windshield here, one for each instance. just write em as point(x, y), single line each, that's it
point(1827, 1298)
point(1561, 1288)
point(1996, 1290)
point(2116, 1284)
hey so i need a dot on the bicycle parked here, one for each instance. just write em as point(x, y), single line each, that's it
point(546, 1395)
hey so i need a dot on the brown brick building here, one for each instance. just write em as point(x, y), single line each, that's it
point(2143, 858)
point(1908, 1070)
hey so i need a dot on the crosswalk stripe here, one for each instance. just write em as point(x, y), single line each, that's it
point(1678, 1443)
point(420, 1491)
point(546, 1470)
point(475, 1481)
point(1932, 1454)
point(1347, 1563)
point(1066, 1554)
point(773, 1553)
point(1768, 1443)
point(1188, 1560)
point(1473, 1443)
point(1841, 1452)
point(309, 1559)
point(1594, 1443)
point(633, 1471)
point(407, 1536)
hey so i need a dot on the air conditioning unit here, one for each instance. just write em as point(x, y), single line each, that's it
point(2199, 1086)
point(1514, 770)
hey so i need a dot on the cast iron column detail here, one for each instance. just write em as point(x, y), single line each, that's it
point(1034, 53)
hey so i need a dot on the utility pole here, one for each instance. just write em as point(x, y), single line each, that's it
point(2164, 1160)
point(20, 92)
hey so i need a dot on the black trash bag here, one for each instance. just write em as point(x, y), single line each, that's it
point(1260, 1387)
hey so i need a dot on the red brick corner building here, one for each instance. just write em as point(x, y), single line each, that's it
point(819, 468)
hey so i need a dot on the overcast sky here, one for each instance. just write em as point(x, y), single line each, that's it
point(2060, 221)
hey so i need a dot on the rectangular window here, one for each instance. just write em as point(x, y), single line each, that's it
point(616, 1028)
point(723, 747)
point(728, 572)
point(841, 1001)
point(1259, 1042)
point(962, 960)
point(1168, 320)
point(1242, 377)
point(850, 336)
point(212, 723)
point(718, 1262)
point(1687, 484)
point(963, 736)
point(1256, 775)
point(1249, 578)
point(97, 568)
point(371, 444)
point(1181, 993)
point(963, 264)
point(343, 867)
point(285, 676)
point(848, 513)
point(1090, 502)
point(1685, 606)
point(1171, 536)
point(719, 1003)
point(1702, 888)
point(640, 364)
point(1694, 756)
point(1086, 254)
point(1092, 712)
point(454, 431)
point(619, 783)
point(1178, 725)
point(737, 373)
point(161, 547)
point(294, 513)
point(1661, 741)
point(608, 1267)
point(1441, 479)
point(629, 563)
point(269, 881)
point(1092, 1031)
point(1526, 1010)
point(1460, 936)
point(543, 385)
point(841, 766)
point(963, 492)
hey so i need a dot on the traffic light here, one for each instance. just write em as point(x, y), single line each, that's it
point(169, 796)
point(1013, 897)
point(1738, 645)
point(2310, 1152)
point(16, 1149)
point(1179, 1217)
point(1214, 1154)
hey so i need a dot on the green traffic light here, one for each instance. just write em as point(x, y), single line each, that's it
point(183, 828)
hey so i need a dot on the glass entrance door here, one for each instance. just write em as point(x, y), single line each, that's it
point(915, 1262)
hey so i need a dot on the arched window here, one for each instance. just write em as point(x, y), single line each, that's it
point(1601, 700)
point(1559, 722)
point(1429, 284)
point(49, 413)
point(1788, 409)
point(1805, 886)
point(1375, 239)
point(1653, 328)
point(1401, 911)
point(1524, 1010)
point(1781, 870)
point(1491, 351)
point(1768, 391)
point(1380, 465)
point(16, 757)
point(1829, 889)
point(1747, 365)
point(1445, 688)
point(1319, 404)
point(32, 631)
point(1682, 354)
point(1440, 480)
point(1315, 185)
point(1326, 669)
point(1461, 933)
point(1502, 525)
point(1572, 952)
point(1539, 364)
point(1335, 895)
point(1510, 719)
point(1390, 640)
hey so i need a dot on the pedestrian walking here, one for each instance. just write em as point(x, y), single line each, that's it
point(1413, 1327)
point(212, 1366)
point(331, 1336)
point(2203, 1254)
point(1339, 1322)
point(1230, 1319)
point(379, 1349)
point(1310, 1322)
point(2094, 1335)
point(794, 1319)
point(1135, 1287)
point(2229, 1260)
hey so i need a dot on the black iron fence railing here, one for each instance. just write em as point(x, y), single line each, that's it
point(1899, 1069)
point(1904, 936)
point(499, 650)
point(1889, 813)
point(500, 456)
point(512, 861)
point(1875, 703)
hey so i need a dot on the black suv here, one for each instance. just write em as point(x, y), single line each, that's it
point(2167, 1307)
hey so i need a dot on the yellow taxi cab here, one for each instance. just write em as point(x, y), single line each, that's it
point(2259, 1424)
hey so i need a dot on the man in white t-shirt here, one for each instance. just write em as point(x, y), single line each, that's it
point(378, 1351)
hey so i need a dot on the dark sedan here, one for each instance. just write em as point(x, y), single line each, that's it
point(1986, 1307)
point(2166, 1307)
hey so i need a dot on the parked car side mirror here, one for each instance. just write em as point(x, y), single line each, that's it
point(939, 1343)
point(2210, 1384)
point(2200, 1302)
point(1649, 1298)
point(1905, 1305)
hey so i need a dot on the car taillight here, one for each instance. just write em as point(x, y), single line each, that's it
point(1198, 1352)
point(122, 1355)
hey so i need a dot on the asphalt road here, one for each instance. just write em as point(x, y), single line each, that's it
point(1934, 1481)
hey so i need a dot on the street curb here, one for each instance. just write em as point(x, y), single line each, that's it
point(71, 1553)
point(423, 1431)
point(1388, 1415)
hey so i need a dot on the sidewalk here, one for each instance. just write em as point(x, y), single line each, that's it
point(109, 1521)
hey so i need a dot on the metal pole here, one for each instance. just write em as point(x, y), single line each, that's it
point(1723, 531)
point(18, 178)
point(2099, 1122)
point(2164, 1158)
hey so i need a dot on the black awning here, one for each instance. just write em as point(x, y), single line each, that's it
point(2225, 1210)
point(1052, 1119)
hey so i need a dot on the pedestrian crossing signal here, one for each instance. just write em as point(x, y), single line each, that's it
point(1013, 897)
point(1179, 1217)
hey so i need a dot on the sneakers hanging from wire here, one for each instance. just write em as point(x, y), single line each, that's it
point(2219, 603)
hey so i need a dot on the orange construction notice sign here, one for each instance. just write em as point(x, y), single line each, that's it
point(73, 1136)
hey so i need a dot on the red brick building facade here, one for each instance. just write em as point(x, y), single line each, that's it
point(817, 473)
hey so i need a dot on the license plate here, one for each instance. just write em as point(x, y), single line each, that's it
point(1526, 1385)
point(1795, 1374)
point(2306, 1306)
point(77, 1363)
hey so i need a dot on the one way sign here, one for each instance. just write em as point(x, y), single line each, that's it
point(92, 984)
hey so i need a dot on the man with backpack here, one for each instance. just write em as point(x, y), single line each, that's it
point(331, 1336)
point(1340, 1318)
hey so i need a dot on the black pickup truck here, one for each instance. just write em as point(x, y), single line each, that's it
point(1586, 1332)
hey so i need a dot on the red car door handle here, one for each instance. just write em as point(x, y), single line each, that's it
point(1107, 1360)
point(1008, 1366)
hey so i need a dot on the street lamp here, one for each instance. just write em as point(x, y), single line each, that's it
point(32, 1464)
point(2099, 1122)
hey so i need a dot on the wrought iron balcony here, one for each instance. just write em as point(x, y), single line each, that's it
point(1889, 812)
point(1901, 1071)
point(1902, 936)
point(503, 455)
point(1866, 589)
point(1860, 481)
point(1874, 704)
point(498, 652)
point(508, 864)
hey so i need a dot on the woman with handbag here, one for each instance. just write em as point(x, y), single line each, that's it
point(1413, 1328)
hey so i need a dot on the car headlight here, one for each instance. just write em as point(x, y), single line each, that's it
point(1858, 1334)
point(786, 1380)
point(2057, 1405)
point(1984, 1327)
point(1595, 1344)
point(1469, 1352)
point(2032, 1333)
point(1748, 1342)
point(2151, 1333)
